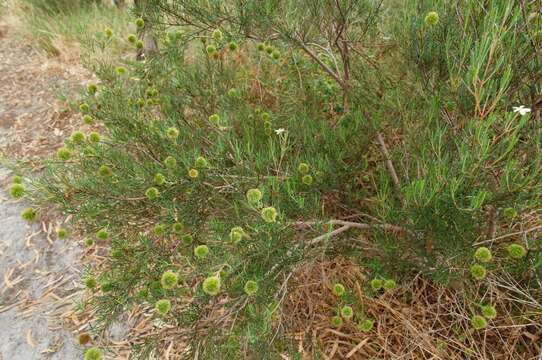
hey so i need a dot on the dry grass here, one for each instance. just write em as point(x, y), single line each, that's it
point(419, 320)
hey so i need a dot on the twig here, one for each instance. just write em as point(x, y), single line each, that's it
point(492, 226)
point(539, 227)
point(320, 62)
point(389, 163)
point(345, 225)
point(328, 235)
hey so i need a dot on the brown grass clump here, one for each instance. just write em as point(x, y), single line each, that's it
point(419, 320)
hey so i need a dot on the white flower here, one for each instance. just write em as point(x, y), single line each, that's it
point(521, 109)
point(279, 131)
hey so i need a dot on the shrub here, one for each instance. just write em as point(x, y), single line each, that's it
point(413, 138)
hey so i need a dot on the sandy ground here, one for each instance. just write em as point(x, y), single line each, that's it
point(39, 275)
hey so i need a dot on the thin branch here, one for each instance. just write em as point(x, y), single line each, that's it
point(320, 62)
point(524, 232)
point(389, 163)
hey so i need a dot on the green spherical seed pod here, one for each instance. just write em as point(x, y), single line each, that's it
point(214, 119)
point(88, 242)
point(120, 70)
point(159, 230)
point(92, 88)
point(105, 171)
point(152, 193)
point(261, 47)
point(132, 38)
point(251, 288)
point(303, 168)
point(478, 272)
point(347, 312)
point(102, 234)
point(210, 49)
point(339, 289)
point(516, 251)
point(307, 180)
point(17, 191)
point(78, 137)
point(233, 46)
point(90, 282)
point(29, 214)
point(169, 280)
point(269, 214)
point(489, 312)
point(336, 321)
point(159, 179)
point(432, 18)
point(377, 284)
point(390, 284)
point(236, 234)
point(93, 353)
point(170, 162)
point(193, 173)
point(265, 116)
point(139, 44)
point(16, 179)
point(201, 251)
point(211, 285)
point(254, 196)
point(276, 54)
point(187, 239)
point(87, 119)
point(94, 137)
point(140, 23)
point(201, 162)
point(177, 227)
point(478, 322)
point(108, 33)
point(483, 254)
point(217, 35)
point(366, 325)
point(269, 49)
point(163, 306)
point(84, 108)
point(61, 233)
point(64, 153)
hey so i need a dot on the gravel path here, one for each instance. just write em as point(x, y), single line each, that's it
point(39, 275)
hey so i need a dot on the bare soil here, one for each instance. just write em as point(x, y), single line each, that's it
point(39, 274)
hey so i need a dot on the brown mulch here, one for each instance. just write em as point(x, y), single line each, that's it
point(419, 320)
point(33, 121)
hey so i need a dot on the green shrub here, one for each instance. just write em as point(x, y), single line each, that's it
point(424, 141)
